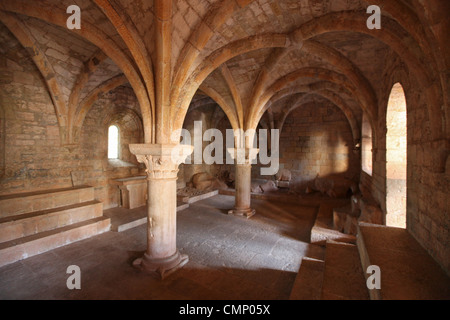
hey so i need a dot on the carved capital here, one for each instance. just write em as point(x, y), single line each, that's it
point(161, 161)
point(157, 167)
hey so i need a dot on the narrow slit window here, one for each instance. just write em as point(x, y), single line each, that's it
point(113, 142)
point(396, 158)
point(366, 152)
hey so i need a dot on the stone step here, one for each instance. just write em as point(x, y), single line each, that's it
point(200, 197)
point(25, 247)
point(408, 272)
point(322, 229)
point(27, 224)
point(123, 219)
point(19, 203)
point(343, 277)
point(308, 283)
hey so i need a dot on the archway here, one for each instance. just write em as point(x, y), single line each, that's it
point(396, 158)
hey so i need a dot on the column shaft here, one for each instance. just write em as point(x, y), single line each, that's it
point(162, 214)
point(243, 181)
point(161, 255)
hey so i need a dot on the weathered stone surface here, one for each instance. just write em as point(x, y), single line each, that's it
point(339, 220)
point(351, 225)
point(283, 175)
point(355, 203)
point(269, 186)
point(370, 213)
point(204, 181)
point(35, 222)
point(333, 186)
point(256, 188)
point(308, 68)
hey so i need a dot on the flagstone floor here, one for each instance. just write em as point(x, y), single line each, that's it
point(229, 258)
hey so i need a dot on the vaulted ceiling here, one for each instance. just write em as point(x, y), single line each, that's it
point(252, 57)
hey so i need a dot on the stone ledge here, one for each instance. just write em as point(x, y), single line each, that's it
point(343, 276)
point(14, 227)
point(123, 219)
point(23, 248)
point(27, 202)
point(200, 197)
point(309, 280)
point(408, 272)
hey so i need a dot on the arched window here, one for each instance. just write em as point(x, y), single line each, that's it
point(396, 151)
point(366, 147)
point(113, 142)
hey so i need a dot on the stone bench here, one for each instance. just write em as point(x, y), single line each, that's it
point(19, 203)
point(133, 191)
point(35, 222)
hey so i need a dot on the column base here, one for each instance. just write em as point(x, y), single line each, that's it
point(161, 268)
point(248, 213)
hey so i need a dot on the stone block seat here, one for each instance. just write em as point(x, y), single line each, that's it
point(408, 272)
point(309, 280)
point(323, 228)
point(36, 222)
point(338, 276)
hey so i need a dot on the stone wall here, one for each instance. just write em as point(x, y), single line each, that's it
point(428, 183)
point(316, 139)
point(116, 108)
point(31, 153)
point(34, 158)
point(211, 117)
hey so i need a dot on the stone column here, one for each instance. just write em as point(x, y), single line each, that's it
point(161, 161)
point(243, 180)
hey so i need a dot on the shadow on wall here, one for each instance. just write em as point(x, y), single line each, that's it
point(334, 185)
point(318, 148)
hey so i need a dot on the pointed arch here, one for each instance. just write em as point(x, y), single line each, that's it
point(90, 99)
point(217, 16)
point(121, 22)
point(316, 73)
point(26, 39)
point(89, 67)
point(229, 110)
point(234, 93)
point(396, 158)
point(48, 13)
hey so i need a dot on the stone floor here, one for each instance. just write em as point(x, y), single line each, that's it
point(230, 258)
